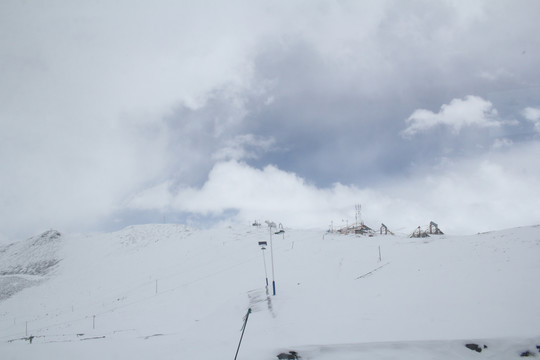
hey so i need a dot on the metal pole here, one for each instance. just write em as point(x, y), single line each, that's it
point(265, 272)
point(272, 257)
point(243, 329)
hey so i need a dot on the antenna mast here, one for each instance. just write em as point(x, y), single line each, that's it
point(358, 209)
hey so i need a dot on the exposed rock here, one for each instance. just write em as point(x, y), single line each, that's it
point(26, 263)
point(474, 347)
point(10, 285)
point(292, 355)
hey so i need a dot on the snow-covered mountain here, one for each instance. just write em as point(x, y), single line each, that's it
point(28, 262)
point(170, 291)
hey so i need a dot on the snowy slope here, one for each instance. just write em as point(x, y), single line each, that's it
point(169, 291)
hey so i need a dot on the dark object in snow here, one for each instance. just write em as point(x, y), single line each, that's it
point(292, 355)
point(474, 347)
point(371, 272)
point(246, 317)
point(362, 230)
point(419, 233)
point(526, 354)
point(384, 229)
point(434, 228)
point(94, 338)
point(538, 347)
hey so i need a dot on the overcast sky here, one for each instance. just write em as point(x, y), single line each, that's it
point(124, 112)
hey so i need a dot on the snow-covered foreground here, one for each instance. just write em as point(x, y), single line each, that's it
point(168, 291)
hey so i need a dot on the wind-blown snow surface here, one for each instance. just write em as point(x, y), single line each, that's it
point(168, 291)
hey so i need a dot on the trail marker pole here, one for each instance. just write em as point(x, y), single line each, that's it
point(156, 287)
point(94, 322)
point(243, 329)
point(380, 257)
point(26, 329)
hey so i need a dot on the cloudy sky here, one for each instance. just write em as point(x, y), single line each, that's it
point(127, 112)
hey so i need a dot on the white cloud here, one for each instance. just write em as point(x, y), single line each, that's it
point(63, 178)
point(459, 113)
point(258, 194)
point(85, 90)
point(155, 197)
point(484, 193)
point(533, 115)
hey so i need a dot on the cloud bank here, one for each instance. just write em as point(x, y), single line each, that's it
point(465, 196)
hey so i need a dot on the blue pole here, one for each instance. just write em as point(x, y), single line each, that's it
point(265, 272)
point(272, 256)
